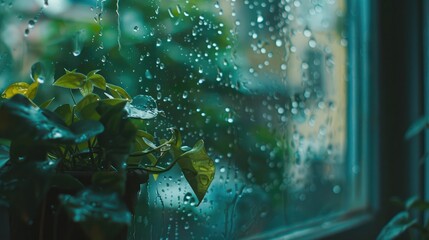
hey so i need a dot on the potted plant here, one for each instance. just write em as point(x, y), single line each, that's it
point(82, 163)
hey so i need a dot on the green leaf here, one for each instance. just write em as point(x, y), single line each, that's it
point(85, 130)
point(416, 203)
point(198, 168)
point(68, 71)
point(417, 127)
point(24, 185)
point(89, 111)
point(118, 137)
point(32, 90)
point(92, 72)
point(397, 226)
point(33, 127)
point(65, 112)
point(143, 134)
point(66, 181)
point(47, 103)
point(88, 99)
point(71, 80)
point(101, 214)
point(87, 88)
point(16, 88)
point(149, 143)
point(117, 91)
point(4, 155)
point(114, 101)
point(98, 81)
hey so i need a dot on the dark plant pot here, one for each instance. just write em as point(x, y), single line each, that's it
point(53, 224)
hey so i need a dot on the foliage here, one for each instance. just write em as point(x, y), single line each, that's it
point(406, 221)
point(102, 134)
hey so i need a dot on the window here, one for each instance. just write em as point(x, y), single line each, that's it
point(273, 86)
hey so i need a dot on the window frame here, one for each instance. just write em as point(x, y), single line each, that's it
point(387, 54)
point(360, 146)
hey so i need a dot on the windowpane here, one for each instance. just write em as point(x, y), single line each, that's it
point(264, 83)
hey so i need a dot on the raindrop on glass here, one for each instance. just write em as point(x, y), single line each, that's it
point(170, 13)
point(336, 189)
point(147, 74)
point(37, 73)
point(31, 24)
point(78, 43)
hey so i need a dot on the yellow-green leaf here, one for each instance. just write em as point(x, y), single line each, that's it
point(65, 113)
point(143, 134)
point(98, 81)
point(71, 80)
point(47, 103)
point(15, 88)
point(113, 101)
point(32, 90)
point(92, 72)
point(89, 111)
point(153, 160)
point(117, 91)
point(88, 99)
point(86, 88)
point(198, 168)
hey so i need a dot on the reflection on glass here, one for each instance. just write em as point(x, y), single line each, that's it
point(263, 82)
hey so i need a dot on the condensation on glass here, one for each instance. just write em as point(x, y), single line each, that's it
point(263, 82)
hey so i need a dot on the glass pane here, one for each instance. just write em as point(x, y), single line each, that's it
point(264, 83)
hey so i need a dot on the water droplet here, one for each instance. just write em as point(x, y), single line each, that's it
point(31, 23)
point(170, 12)
point(142, 107)
point(336, 189)
point(179, 9)
point(297, 3)
point(147, 74)
point(307, 32)
point(103, 58)
point(46, 4)
point(185, 95)
point(204, 180)
point(76, 53)
point(158, 42)
point(78, 43)
point(279, 43)
point(37, 72)
point(136, 28)
point(186, 227)
point(312, 43)
point(260, 19)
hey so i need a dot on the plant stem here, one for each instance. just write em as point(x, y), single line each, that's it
point(156, 169)
point(145, 152)
point(71, 93)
